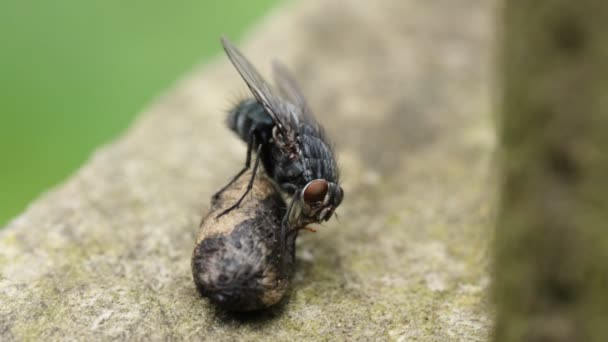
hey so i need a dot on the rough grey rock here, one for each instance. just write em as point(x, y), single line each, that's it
point(403, 87)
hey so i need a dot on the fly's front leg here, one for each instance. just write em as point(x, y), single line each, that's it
point(285, 225)
point(216, 196)
point(249, 185)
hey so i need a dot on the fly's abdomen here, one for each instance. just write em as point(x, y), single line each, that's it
point(249, 116)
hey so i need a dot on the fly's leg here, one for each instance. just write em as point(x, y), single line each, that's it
point(250, 185)
point(284, 227)
point(216, 196)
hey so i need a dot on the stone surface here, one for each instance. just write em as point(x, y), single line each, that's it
point(403, 87)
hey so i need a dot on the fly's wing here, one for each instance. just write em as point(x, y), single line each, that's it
point(289, 88)
point(284, 120)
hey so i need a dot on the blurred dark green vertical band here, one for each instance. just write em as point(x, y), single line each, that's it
point(74, 73)
point(552, 237)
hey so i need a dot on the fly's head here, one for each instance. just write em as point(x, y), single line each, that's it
point(318, 201)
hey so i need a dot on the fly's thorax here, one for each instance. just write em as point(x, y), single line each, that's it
point(318, 158)
point(287, 171)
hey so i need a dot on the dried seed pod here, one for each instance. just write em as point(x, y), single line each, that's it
point(236, 262)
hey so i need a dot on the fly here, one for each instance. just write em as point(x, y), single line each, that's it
point(293, 148)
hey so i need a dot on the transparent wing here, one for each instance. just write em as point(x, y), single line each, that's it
point(261, 91)
point(289, 88)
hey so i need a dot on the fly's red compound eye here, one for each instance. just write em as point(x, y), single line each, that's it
point(315, 191)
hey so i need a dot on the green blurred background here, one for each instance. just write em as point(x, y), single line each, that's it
point(74, 73)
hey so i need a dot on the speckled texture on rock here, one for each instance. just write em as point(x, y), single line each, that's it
point(403, 87)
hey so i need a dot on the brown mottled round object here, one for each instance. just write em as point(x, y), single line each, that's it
point(236, 262)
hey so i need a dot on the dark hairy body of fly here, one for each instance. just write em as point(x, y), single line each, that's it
point(317, 160)
point(279, 126)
